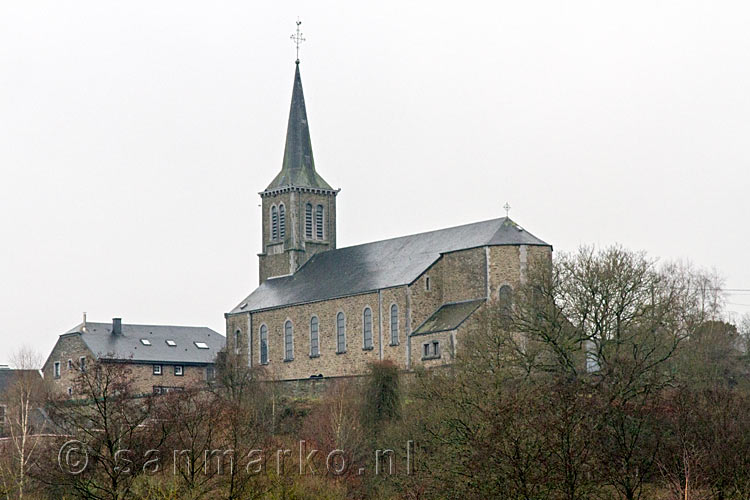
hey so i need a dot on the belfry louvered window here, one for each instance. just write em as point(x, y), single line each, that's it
point(340, 333)
point(314, 337)
point(288, 341)
point(394, 324)
point(319, 222)
point(263, 344)
point(282, 221)
point(274, 223)
point(367, 328)
point(308, 221)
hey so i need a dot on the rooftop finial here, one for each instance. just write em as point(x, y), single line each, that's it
point(297, 39)
point(507, 208)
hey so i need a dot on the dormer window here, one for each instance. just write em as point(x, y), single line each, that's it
point(171, 343)
point(145, 342)
point(201, 345)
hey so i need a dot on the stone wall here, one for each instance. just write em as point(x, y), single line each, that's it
point(68, 347)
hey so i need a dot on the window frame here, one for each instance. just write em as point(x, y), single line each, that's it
point(288, 340)
point(263, 344)
point(315, 353)
point(282, 222)
point(82, 363)
point(179, 370)
point(431, 350)
point(157, 370)
point(392, 318)
point(70, 365)
point(309, 223)
point(320, 212)
point(56, 369)
point(365, 345)
point(274, 222)
point(340, 332)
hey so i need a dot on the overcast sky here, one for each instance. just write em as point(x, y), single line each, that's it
point(135, 136)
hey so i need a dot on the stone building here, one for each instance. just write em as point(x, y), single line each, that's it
point(327, 311)
point(161, 358)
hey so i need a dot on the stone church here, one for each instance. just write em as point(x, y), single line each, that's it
point(326, 311)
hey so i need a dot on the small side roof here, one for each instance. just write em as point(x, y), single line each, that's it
point(448, 317)
point(99, 339)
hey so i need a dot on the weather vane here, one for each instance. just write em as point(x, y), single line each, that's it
point(507, 208)
point(297, 39)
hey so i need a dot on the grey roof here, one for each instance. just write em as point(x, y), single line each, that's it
point(298, 167)
point(378, 265)
point(8, 375)
point(448, 317)
point(99, 339)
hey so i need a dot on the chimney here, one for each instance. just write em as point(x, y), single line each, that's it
point(116, 326)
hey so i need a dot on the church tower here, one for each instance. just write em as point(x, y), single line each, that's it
point(299, 207)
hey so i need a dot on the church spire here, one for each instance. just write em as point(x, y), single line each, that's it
point(298, 166)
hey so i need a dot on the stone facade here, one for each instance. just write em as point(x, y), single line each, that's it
point(476, 273)
point(284, 256)
point(70, 349)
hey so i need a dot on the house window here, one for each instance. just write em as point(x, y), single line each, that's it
point(340, 333)
point(70, 391)
point(57, 369)
point(82, 363)
point(2, 419)
point(263, 344)
point(237, 341)
point(431, 350)
point(314, 338)
point(157, 369)
point(308, 221)
point(171, 343)
point(178, 370)
point(210, 373)
point(201, 345)
point(394, 324)
point(288, 341)
point(145, 342)
point(427, 283)
point(367, 328)
point(319, 222)
point(70, 364)
point(274, 223)
point(282, 221)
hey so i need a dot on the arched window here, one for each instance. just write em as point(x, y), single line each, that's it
point(394, 324)
point(288, 341)
point(340, 333)
point(274, 223)
point(319, 222)
point(367, 328)
point(237, 341)
point(314, 339)
point(282, 221)
point(308, 221)
point(505, 300)
point(263, 344)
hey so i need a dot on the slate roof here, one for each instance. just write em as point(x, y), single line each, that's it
point(99, 339)
point(448, 317)
point(8, 375)
point(298, 166)
point(381, 264)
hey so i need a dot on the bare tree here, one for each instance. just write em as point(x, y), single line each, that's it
point(23, 417)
